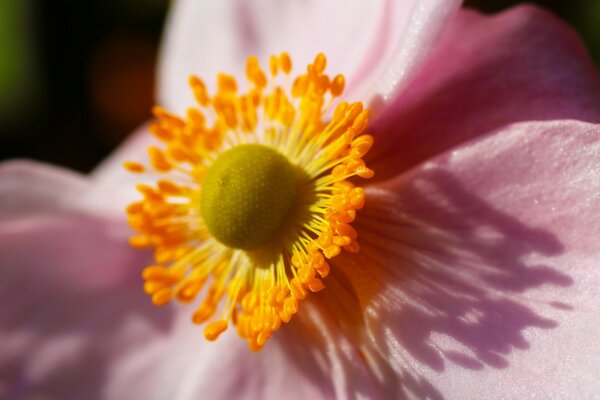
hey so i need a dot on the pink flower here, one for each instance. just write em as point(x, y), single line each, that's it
point(477, 276)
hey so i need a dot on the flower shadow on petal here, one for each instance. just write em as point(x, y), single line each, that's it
point(443, 279)
point(60, 338)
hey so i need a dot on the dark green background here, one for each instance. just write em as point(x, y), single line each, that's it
point(77, 76)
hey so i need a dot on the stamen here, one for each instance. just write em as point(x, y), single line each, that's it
point(253, 252)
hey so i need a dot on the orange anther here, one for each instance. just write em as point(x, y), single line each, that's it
point(291, 305)
point(259, 78)
point(151, 287)
point(339, 170)
point(306, 274)
point(190, 290)
point(357, 198)
point(168, 187)
point(156, 272)
point(355, 109)
point(252, 65)
point(204, 312)
point(134, 167)
point(323, 83)
point(337, 85)
point(315, 285)
point(320, 63)
point(262, 338)
point(361, 145)
point(341, 240)
point(214, 329)
point(273, 65)
point(323, 269)
point(139, 241)
point(297, 289)
point(226, 83)
point(135, 208)
point(365, 172)
point(167, 117)
point(253, 345)
point(300, 86)
point(162, 297)
point(285, 62)
point(199, 90)
point(332, 251)
point(361, 121)
point(158, 159)
point(161, 133)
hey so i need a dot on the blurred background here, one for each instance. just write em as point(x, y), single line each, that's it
point(76, 77)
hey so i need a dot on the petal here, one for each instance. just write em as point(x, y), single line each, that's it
point(298, 363)
point(487, 71)
point(27, 188)
point(376, 45)
point(61, 341)
point(69, 285)
point(52, 224)
point(478, 271)
point(79, 252)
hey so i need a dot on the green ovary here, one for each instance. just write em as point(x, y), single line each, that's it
point(247, 195)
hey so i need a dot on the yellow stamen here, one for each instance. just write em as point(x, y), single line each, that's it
point(251, 277)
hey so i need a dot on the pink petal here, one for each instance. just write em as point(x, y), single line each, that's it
point(296, 364)
point(487, 72)
point(69, 285)
point(478, 271)
point(61, 341)
point(54, 231)
point(378, 46)
point(28, 188)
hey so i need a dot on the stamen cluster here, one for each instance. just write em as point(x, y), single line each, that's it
point(255, 290)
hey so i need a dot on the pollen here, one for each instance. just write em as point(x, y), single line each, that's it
point(255, 190)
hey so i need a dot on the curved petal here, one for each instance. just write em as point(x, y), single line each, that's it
point(66, 273)
point(487, 71)
point(28, 187)
point(377, 45)
point(478, 271)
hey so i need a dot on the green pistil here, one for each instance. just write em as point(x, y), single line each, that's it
point(247, 194)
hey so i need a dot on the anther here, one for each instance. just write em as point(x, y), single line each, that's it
point(214, 329)
point(285, 62)
point(134, 167)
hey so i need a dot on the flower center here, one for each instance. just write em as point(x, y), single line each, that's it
point(255, 189)
point(247, 194)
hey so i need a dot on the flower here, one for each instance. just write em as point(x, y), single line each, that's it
point(477, 273)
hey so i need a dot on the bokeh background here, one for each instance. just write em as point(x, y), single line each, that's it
point(76, 77)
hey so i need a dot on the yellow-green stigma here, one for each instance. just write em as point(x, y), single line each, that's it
point(255, 190)
point(247, 194)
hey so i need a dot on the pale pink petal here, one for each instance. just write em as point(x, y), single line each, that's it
point(65, 276)
point(298, 363)
point(378, 45)
point(478, 271)
point(61, 331)
point(28, 188)
point(487, 71)
point(54, 236)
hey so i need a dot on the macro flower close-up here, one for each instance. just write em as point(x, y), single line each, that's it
point(329, 200)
